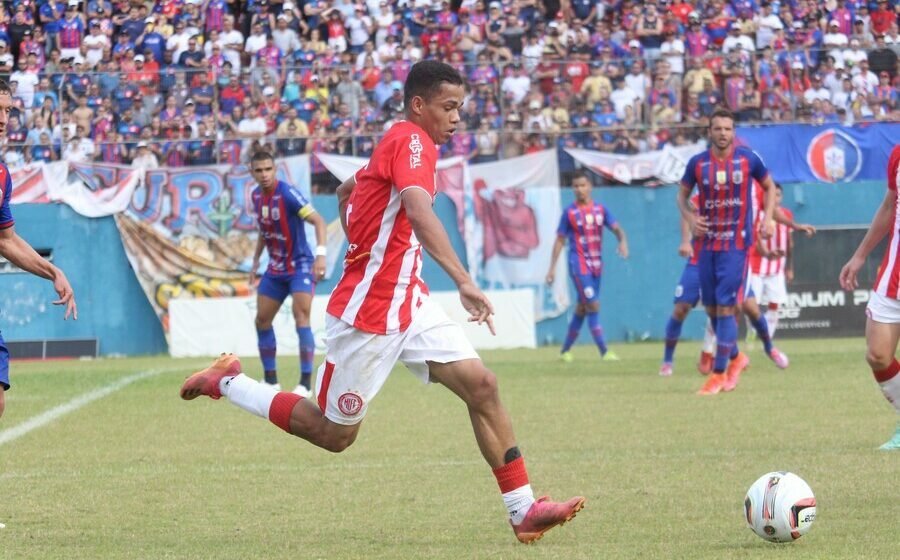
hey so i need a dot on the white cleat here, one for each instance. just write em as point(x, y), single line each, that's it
point(276, 386)
point(302, 391)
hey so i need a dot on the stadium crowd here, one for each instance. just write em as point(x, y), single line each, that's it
point(182, 82)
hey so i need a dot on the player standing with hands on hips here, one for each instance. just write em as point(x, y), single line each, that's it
point(380, 313)
point(281, 213)
point(17, 251)
point(883, 311)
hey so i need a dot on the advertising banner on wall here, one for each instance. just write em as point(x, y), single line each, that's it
point(827, 154)
point(816, 305)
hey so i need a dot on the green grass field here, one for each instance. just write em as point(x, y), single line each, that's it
point(141, 474)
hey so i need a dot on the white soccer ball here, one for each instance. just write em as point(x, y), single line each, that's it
point(780, 507)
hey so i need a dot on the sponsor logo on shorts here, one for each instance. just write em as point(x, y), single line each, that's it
point(415, 151)
point(589, 292)
point(679, 290)
point(350, 404)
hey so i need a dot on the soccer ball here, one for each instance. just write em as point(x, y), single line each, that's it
point(780, 507)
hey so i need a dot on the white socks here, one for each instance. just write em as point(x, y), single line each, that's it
point(518, 502)
point(249, 394)
point(772, 320)
point(709, 339)
point(891, 390)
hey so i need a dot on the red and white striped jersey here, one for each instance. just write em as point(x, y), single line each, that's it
point(887, 283)
point(779, 242)
point(381, 287)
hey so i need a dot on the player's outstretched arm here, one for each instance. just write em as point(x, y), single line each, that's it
point(781, 218)
point(17, 251)
point(881, 225)
point(431, 234)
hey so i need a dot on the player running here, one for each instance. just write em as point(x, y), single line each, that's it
point(687, 296)
point(582, 224)
point(17, 251)
point(380, 313)
point(772, 266)
point(883, 311)
point(282, 213)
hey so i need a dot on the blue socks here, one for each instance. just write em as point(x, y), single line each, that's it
point(762, 332)
point(673, 333)
point(574, 329)
point(267, 348)
point(597, 331)
point(726, 345)
point(307, 354)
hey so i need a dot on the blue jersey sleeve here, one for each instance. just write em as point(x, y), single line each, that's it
point(297, 203)
point(689, 179)
point(6, 218)
point(564, 228)
point(758, 169)
point(609, 220)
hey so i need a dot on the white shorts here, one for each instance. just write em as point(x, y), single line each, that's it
point(883, 309)
point(357, 363)
point(771, 288)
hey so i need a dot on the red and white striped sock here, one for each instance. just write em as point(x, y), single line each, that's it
point(889, 380)
point(517, 494)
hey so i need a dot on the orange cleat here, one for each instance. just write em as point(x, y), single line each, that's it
point(545, 515)
point(206, 382)
point(735, 368)
point(705, 365)
point(713, 385)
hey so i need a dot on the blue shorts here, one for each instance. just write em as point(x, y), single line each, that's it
point(722, 276)
point(278, 287)
point(4, 365)
point(587, 286)
point(688, 288)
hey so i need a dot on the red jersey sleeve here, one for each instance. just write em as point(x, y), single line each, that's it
point(415, 160)
point(893, 169)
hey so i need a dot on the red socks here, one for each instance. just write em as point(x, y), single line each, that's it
point(512, 475)
point(280, 410)
point(885, 375)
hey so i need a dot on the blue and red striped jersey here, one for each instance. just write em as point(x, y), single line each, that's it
point(71, 32)
point(281, 216)
point(583, 226)
point(6, 218)
point(725, 188)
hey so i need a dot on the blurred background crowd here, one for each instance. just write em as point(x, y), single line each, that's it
point(200, 82)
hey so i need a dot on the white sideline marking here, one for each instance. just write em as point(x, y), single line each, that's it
point(78, 402)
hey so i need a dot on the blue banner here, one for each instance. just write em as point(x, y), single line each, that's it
point(828, 154)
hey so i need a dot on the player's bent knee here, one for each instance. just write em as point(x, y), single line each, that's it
point(593, 307)
point(484, 388)
point(879, 359)
point(262, 323)
point(681, 311)
point(336, 438)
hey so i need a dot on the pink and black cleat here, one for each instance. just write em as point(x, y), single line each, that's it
point(545, 515)
point(206, 382)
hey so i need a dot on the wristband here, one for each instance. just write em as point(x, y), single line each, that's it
point(321, 251)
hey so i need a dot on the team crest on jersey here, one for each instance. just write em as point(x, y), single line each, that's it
point(737, 177)
point(415, 151)
point(721, 177)
point(589, 219)
point(834, 156)
point(265, 212)
point(350, 404)
point(276, 214)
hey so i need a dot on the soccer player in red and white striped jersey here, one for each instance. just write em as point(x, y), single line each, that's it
point(883, 311)
point(380, 312)
point(771, 265)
